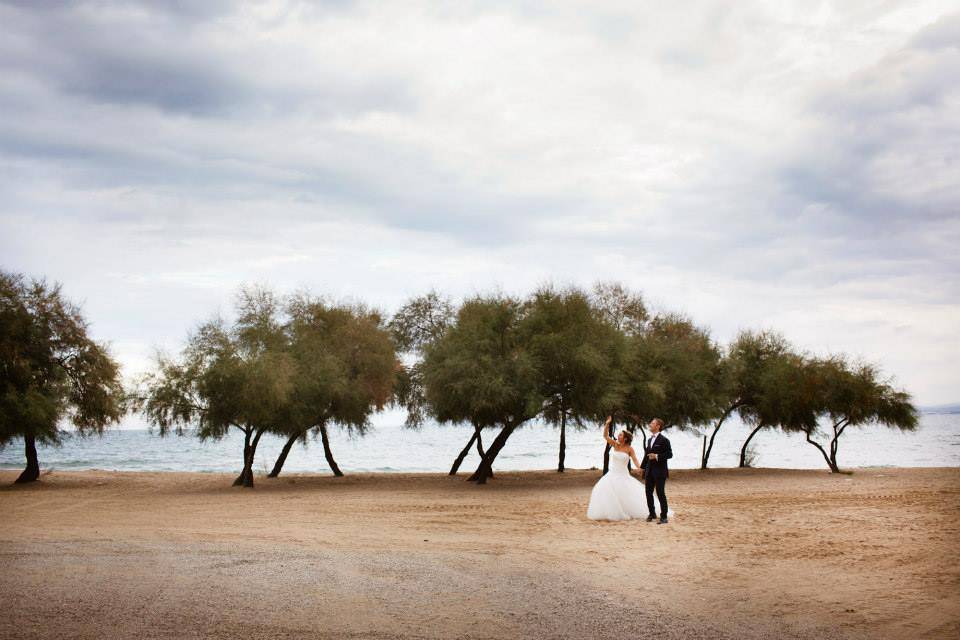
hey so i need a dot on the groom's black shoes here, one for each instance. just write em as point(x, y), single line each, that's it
point(651, 518)
point(662, 521)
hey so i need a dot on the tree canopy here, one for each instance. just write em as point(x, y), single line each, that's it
point(744, 370)
point(298, 365)
point(345, 370)
point(482, 372)
point(229, 375)
point(282, 367)
point(854, 395)
point(51, 370)
point(575, 354)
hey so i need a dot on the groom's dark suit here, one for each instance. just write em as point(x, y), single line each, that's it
point(656, 472)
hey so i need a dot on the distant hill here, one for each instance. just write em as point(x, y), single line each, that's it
point(942, 408)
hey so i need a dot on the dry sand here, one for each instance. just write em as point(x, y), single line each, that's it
point(750, 553)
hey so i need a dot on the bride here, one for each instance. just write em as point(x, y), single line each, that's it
point(618, 495)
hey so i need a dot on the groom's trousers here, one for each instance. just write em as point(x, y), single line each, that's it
point(657, 482)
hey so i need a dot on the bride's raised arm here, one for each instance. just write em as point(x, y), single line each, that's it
point(606, 432)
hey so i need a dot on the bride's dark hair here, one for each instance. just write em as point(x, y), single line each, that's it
point(627, 437)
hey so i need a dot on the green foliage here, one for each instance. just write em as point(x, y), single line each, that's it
point(481, 371)
point(854, 395)
point(421, 321)
point(227, 376)
point(50, 369)
point(672, 371)
point(620, 308)
point(575, 354)
point(345, 365)
point(788, 395)
point(747, 366)
point(282, 367)
point(290, 365)
point(417, 324)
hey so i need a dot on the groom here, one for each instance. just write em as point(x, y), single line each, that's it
point(656, 453)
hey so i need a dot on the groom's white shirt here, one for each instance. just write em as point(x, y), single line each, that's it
point(653, 439)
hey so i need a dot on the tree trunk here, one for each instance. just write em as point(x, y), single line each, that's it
point(706, 454)
point(282, 458)
point(563, 441)
point(249, 452)
point(823, 452)
point(743, 450)
point(835, 444)
point(253, 453)
point(485, 469)
point(465, 451)
point(32, 471)
point(834, 467)
point(480, 449)
point(606, 450)
point(242, 478)
point(328, 453)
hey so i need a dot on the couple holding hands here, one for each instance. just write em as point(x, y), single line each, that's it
point(618, 495)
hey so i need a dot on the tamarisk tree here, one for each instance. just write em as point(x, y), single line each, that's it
point(228, 376)
point(626, 313)
point(344, 368)
point(575, 352)
point(788, 399)
point(50, 370)
point(419, 323)
point(671, 371)
point(481, 372)
point(744, 368)
point(691, 372)
point(854, 395)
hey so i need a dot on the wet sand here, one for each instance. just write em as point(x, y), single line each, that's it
point(750, 554)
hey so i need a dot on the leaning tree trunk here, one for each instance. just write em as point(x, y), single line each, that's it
point(282, 458)
point(249, 452)
point(743, 450)
point(32, 472)
point(606, 451)
point(835, 444)
point(834, 466)
point(706, 454)
point(480, 449)
point(563, 441)
point(485, 469)
point(242, 478)
point(823, 452)
point(465, 451)
point(328, 453)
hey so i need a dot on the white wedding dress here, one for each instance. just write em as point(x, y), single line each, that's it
point(618, 495)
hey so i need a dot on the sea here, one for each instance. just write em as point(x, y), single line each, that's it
point(391, 447)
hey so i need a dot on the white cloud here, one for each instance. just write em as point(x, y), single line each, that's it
point(788, 165)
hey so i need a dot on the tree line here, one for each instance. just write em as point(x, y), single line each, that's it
point(297, 366)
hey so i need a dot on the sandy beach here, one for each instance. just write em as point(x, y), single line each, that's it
point(749, 554)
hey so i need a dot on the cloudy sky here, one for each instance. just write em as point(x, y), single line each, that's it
point(753, 164)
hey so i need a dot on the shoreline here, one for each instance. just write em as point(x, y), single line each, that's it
point(750, 553)
point(845, 471)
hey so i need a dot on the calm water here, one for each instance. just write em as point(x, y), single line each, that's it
point(392, 448)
